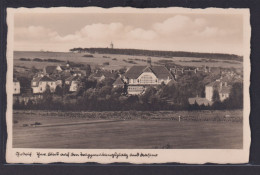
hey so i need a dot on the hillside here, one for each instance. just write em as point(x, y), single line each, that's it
point(157, 53)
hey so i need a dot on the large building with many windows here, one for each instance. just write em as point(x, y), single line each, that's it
point(138, 78)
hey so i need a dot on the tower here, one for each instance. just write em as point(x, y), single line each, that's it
point(111, 45)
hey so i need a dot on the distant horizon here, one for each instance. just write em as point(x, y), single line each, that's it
point(130, 49)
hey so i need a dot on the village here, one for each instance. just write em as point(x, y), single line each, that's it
point(72, 80)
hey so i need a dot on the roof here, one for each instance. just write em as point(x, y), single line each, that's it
point(225, 90)
point(118, 81)
point(50, 69)
point(199, 101)
point(64, 67)
point(44, 78)
point(72, 78)
point(160, 72)
point(106, 74)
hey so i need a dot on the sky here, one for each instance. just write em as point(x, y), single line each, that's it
point(211, 33)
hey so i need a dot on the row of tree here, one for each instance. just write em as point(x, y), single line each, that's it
point(103, 97)
point(157, 53)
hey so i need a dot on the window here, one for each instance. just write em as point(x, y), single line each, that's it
point(146, 79)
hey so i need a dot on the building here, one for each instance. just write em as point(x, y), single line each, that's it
point(119, 83)
point(73, 82)
point(39, 84)
point(101, 75)
point(224, 92)
point(16, 87)
point(138, 78)
point(111, 45)
point(221, 86)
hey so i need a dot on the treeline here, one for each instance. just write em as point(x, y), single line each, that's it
point(157, 53)
point(40, 60)
point(96, 96)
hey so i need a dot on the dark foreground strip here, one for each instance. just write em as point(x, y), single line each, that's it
point(79, 123)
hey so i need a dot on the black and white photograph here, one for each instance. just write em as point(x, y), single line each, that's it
point(128, 85)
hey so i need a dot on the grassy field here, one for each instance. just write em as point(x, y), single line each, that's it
point(128, 130)
point(115, 61)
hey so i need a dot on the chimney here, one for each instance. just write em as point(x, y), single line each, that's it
point(149, 62)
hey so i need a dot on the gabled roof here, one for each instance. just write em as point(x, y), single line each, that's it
point(72, 78)
point(118, 81)
point(160, 72)
point(41, 79)
point(45, 78)
point(106, 74)
point(50, 69)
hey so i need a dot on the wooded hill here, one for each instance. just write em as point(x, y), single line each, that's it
point(157, 53)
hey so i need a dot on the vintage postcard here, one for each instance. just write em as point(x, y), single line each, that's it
point(128, 85)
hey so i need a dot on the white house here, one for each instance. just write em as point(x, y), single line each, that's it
point(138, 78)
point(16, 86)
point(220, 86)
point(39, 84)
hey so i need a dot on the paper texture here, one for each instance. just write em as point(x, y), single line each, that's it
point(151, 29)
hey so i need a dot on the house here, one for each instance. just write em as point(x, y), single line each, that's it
point(16, 87)
point(118, 83)
point(50, 70)
point(224, 92)
point(58, 79)
point(78, 73)
point(56, 69)
point(73, 82)
point(39, 84)
point(138, 78)
point(221, 86)
point(101, 75)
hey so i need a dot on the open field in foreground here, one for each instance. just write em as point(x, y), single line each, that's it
point(128, 130)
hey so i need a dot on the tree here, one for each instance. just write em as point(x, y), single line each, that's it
point(236, 96)
point(122, 70)
point(215, 97)
point(105, 90)
point(59, 91)
point(47, 96)
point(88, 70)
point(34, 70)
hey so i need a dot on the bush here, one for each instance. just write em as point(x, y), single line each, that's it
point(88, 55)
point(25, 59)
point(106, 63)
